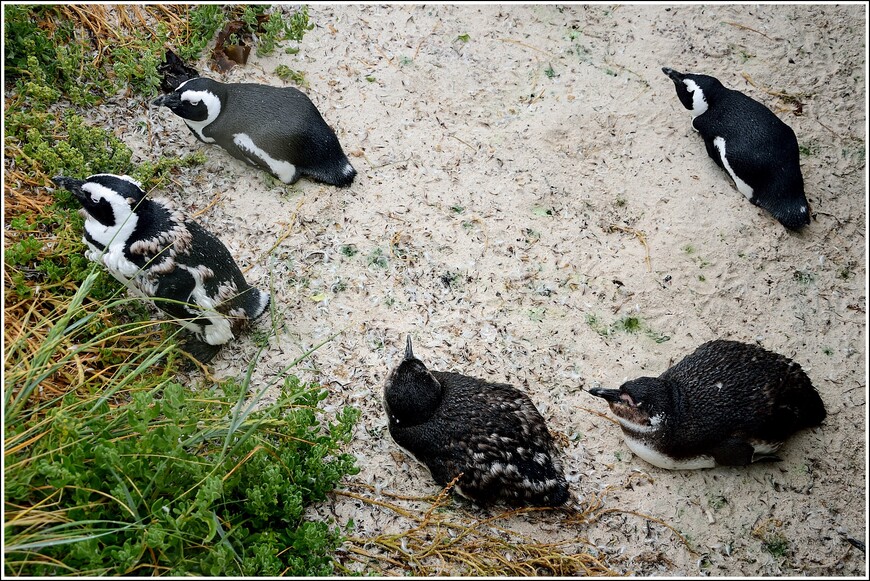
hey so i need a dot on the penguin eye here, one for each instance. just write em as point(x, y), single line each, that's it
point(195, 103)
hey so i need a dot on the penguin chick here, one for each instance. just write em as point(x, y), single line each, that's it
point(173, 72)
point(276, 129)
point(750, 142)
point(158, 253)
point(728, 403)
point(490, 433)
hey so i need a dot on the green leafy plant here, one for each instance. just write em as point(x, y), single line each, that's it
point(377, 258)
point(133, 473)
point(628, 324)
point(285, 73)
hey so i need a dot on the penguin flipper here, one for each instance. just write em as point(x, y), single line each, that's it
point(173, 297)
point(173, 292)
point(733, 452)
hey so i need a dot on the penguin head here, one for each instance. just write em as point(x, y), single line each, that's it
point(694, 91)
point(641, 403)
point(196, 100)
point(412, 393)
point(109, 199)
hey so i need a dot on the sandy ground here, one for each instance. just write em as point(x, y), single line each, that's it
point(523, 188)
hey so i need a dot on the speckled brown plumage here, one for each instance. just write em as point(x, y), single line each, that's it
point(491, 433)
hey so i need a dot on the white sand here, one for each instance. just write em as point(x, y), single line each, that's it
point(522, 166)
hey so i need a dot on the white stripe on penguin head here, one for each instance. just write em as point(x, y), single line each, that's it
point(699, 102)
point(211, 102)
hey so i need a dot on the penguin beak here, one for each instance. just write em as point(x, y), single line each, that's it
point(72, 184)
point(170, 100)
point(612, 395)
point(674, 75)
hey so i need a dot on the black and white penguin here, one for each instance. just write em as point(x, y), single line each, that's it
point(277, 129)
point(750, 142)
point(160, 254)
point(728, 403)
point(491, 433)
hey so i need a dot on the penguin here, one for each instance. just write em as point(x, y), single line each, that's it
point(163, 256)
point(174, 72)
point(489, 433)
point(276, 129)
point(758, 151)
point(726, 404)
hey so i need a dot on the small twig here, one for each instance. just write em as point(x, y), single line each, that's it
point(389, 59)
point(750, 29)
point(422, 40)
point(521, 43)
point(605, 416)
point(640, 236)
point(461, 141)
point(628, 70)
point(388, 163)
point(287, 231)
point(214, 201)
point(828, 128)
point(787, 97)
point(393, 507)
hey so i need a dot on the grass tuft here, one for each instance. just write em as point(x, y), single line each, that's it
point(126, 471)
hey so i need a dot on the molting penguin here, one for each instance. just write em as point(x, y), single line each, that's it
point(277, 129)
point(728, 403)
point(157, 252)
point(750, 142)
point(491, 433)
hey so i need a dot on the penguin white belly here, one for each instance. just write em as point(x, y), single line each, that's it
point(656, 458)
point(284, 170)
point(742, 187)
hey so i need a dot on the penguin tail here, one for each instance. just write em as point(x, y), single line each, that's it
point(784, 198)
point(811, 411)
point(262, 304)
point(339, 174)
point(794, 217)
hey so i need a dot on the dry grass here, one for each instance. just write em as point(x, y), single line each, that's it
point(443, 538)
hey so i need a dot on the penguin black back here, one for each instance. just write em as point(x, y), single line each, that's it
point(727, 403)
point(490, 433)
point(277, 129)
point(755, 147)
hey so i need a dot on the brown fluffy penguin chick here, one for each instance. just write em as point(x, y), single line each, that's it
point(491, 433)
point(728, 403)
